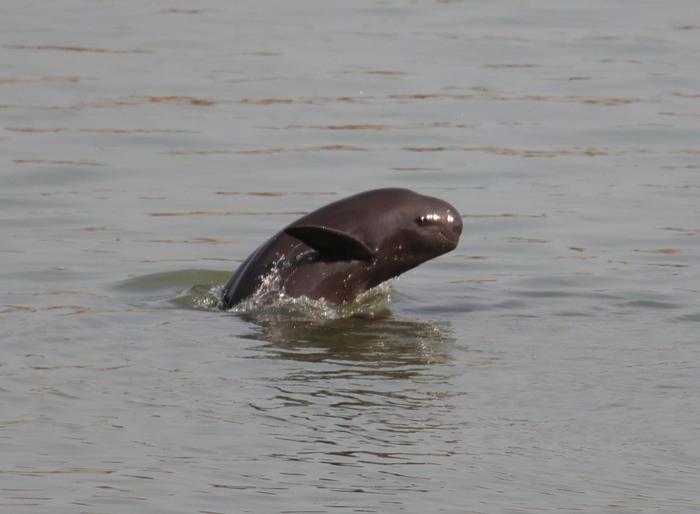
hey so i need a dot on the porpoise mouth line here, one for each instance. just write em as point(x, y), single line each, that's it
point(449, 239)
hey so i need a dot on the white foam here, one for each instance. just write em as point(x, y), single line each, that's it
point(270, 300)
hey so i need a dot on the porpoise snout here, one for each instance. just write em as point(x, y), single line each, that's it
point(456, 224)
point(452, 226)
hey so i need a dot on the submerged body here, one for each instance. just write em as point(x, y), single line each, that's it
point(348, 247)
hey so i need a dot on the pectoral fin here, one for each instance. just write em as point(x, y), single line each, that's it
point(330, 242)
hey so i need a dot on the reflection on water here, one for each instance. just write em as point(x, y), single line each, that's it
point(384, 345)
point(378, 381)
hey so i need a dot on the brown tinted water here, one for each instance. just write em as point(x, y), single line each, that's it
point(549, 364)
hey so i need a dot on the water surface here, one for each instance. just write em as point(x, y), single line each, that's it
point(549, 364)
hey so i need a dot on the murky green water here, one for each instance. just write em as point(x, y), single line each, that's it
point(549, 364)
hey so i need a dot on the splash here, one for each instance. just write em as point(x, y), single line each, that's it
point(270, 301)
point(369, 304)
point(200, 297)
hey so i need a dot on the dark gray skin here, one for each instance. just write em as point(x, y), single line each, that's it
point(350, 246)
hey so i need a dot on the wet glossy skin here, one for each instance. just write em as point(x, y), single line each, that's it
point(402, 229)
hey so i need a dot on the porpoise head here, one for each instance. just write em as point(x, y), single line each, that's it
point(392, 230)
point(415, 230)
